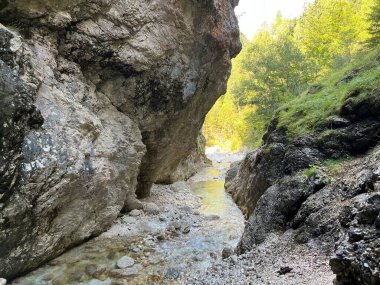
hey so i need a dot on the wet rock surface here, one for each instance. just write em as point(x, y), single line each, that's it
point(101, 98)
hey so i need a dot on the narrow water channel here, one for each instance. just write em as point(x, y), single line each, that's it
point(196, 220)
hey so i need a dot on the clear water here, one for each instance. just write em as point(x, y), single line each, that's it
point(177, 256)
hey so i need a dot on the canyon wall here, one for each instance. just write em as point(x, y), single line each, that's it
point(322, 186)
point(100, 100)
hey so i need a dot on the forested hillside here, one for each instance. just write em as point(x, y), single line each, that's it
point(285, 63)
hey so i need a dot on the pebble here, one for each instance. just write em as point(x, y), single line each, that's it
point(161, 237)
point(128, 220)
point(234, 259)
point(170, 229)
point(124, 262)
point(155, 260)
point(172, 273)
point(186, 230)
point(134, 249)
point(135, 213)
point(95, 271)
point(99, 282)
point(3, 281)
point(212, 217)
point(227, 252)
point(125, 272)
point(151, 209)
point(176, 225)
point(285, 270)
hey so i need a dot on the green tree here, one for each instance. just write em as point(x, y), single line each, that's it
point(277, 72)
point(281, 62)
point(331, 31)
point(374, 28)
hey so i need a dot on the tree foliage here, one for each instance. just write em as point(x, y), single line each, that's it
point(374, 29)
point(283, 60)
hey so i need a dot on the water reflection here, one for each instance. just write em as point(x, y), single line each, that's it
point(214, 199)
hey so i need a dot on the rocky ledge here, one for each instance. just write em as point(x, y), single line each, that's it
point(100, 99)
point(323, 187)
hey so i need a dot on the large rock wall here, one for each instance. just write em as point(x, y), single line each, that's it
point(99, 99)
point(286, 185)
point(352, 131)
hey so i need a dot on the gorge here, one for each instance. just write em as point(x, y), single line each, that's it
point(103, 106)
point(101, 99)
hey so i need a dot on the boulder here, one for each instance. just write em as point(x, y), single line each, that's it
point(100, 98)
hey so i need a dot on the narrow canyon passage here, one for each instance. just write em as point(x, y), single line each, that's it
point(182, 229)
point(108, 107)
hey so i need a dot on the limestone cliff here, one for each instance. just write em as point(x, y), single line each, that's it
point(100, 98)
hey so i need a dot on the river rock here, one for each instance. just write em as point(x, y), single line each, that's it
point(134, 249)
point(124, 262)
point(128, 220)
point(162, 236)
point(99, 282)
point(176, 225)
point(227, 252)
point(155, 260)
point(126, 272)
point(186, 229)
point(162, 218)
point(234, 259)
point(135, 213)
point(212, 217)
point(102, 97)
point(94, 270)
point(3, 281)
point(151, 208)
point(172, 273)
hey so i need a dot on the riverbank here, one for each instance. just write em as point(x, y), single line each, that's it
point(181, 231)
point(277, 261)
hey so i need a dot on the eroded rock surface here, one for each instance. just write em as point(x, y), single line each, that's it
point(286, 185)
point(99, 98)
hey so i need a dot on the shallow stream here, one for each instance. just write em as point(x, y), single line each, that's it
point(163, 256)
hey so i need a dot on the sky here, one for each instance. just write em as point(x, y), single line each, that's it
point(253, 13)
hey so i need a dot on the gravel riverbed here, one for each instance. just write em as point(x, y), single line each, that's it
point(178, 238)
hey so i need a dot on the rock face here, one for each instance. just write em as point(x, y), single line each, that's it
point(99, 99)
point(286, 186)
point(189, 165)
